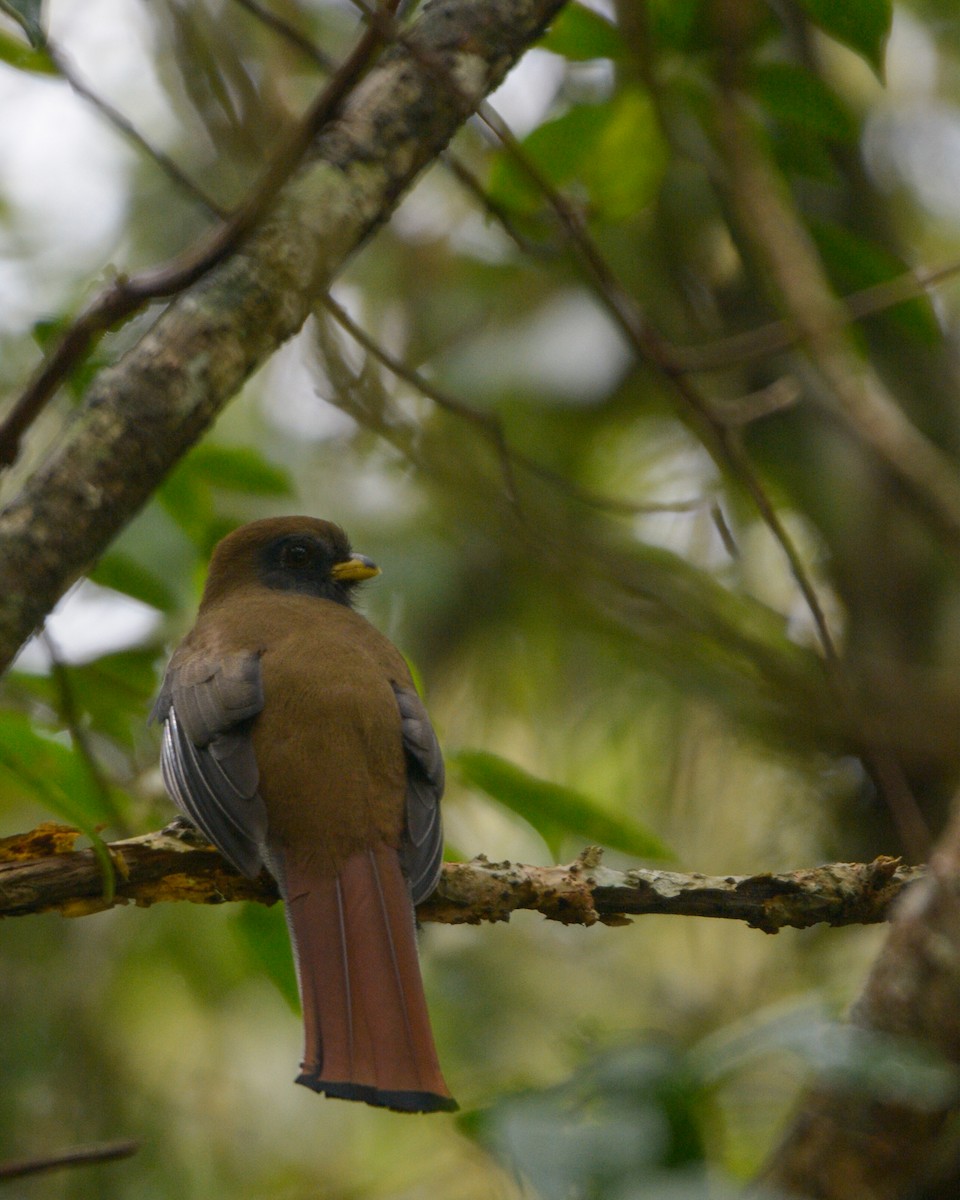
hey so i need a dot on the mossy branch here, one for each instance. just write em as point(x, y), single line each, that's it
point(42, 871)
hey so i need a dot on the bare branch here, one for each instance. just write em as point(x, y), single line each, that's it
point(79, 1156)
point(774, 338)
point(721, 441)
point(40, 871)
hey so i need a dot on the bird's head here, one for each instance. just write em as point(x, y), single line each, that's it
point(288, 554)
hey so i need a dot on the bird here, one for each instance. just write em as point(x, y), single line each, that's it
point(294, 738)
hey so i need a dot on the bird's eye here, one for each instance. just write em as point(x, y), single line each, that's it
point(295, 555)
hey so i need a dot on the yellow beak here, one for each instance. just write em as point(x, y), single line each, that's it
point(355, 568)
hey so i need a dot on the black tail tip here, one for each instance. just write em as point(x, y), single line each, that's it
point(407, 1102)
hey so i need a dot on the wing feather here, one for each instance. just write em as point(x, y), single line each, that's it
point(421, 852)
point(207, 758)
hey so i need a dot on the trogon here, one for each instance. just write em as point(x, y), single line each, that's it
point(294, 738)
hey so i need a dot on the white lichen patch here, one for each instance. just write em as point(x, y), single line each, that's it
point(384, 90)
point(471, 74)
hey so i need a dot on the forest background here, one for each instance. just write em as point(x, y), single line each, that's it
point(643, 393)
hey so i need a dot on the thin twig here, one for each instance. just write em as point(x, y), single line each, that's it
point(128, 294)
point(778, 336)
point(858, 396)
point(79, 1156)
point(126, 127)
point(70, 715)
point(491, 428)
point(721, 440)
point(289, 32)
point(466, 178)
point(724, 443)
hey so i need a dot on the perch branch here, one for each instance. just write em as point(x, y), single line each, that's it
point(42, 871)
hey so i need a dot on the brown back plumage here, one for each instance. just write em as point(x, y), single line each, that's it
point(294, 738)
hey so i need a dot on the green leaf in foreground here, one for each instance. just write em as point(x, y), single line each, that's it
point(57, 777)
point(800, 98)
point(581, 34)
point(27, 14)
point(124, 574)
point(25, 58)
point(553, 810)
point(863, 25)
point(239, 469)
point(263, 932)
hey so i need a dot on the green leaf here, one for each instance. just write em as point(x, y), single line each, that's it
point(25, 58)
point(863, 25)
point(557, 148)
point(553, 810)
point(854, 263)
point(679, 25)
point(187, 497)
point(615, 149)
point(797, 97)
point(890, 1068)
point(798, 154)
point(47, 333)
point(263, 933)
point(126, 575)
point(629, 158)
point(114, 693)
point(187, 492)
point(238, 469)
point(636, 1111)
point(581, 34)
point(26, 13)
point(117, 691)
point(57, 777)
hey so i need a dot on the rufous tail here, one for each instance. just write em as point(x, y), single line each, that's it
point(366, 1026)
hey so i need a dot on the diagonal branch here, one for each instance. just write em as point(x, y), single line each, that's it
point(142, 414)
point(129, 294)
point(40, 871)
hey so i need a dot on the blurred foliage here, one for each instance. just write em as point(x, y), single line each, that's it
point(626, 1125)
point(555, 812)
point(610, 640)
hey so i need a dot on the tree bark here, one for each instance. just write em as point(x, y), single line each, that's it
point(142, 414)
point(856, 1142)
point(40, 871)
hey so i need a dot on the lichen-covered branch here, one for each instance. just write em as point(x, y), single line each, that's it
point(140, 415)
point(42, 871)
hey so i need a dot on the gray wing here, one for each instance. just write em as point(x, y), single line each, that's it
point(207, 759)
point(421, 851)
